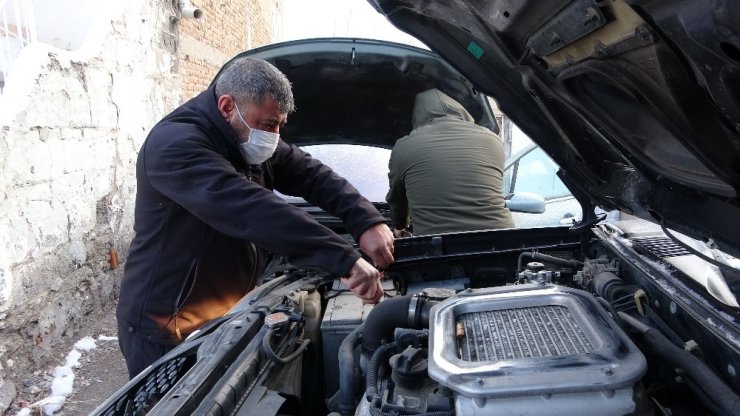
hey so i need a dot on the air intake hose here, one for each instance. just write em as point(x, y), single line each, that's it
point(383, 319)
point(410, 311)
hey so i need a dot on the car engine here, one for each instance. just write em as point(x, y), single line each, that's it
point(565, 337)
point(526, 349)
point(513, 323)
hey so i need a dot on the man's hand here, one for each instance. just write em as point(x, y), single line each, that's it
point(364, 281)
point(401, 233)
point(377, 243)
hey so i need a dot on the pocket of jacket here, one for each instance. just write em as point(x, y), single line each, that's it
point(187, 287)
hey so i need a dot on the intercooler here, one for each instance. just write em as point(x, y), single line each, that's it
point(533, 350)
point(526, 332)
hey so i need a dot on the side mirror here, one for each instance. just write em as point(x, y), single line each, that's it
point(525, 202)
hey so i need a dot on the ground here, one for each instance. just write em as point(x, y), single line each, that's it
point(102, 371)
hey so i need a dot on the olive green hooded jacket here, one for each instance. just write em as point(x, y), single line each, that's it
point(447, 174)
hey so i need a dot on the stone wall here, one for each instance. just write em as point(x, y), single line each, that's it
point(71, 124)
point(224, 30)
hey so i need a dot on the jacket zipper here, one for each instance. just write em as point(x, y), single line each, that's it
point(253, 250)
point(181, 301)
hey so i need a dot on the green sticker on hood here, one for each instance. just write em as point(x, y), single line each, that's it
point(475, 50)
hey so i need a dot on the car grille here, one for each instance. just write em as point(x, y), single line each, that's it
point(152, 389)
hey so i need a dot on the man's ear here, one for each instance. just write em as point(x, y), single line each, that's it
point(225, 105)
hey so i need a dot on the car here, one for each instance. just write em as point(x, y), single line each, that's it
point(531, 171)
point(637, 104)
point(534, 193)
point(373, 85)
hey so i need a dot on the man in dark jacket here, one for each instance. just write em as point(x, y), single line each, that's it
point(206, 215)
point(447, 174)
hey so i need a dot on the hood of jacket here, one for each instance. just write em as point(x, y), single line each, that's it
point(432, 104)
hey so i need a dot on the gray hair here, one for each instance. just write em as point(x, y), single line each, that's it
point(253, 79)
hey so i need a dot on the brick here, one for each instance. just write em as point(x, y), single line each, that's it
point(224, 27)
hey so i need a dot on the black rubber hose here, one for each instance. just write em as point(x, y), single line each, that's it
point(373, 368)
point(272, 355)
point(720, 394)
point(383, 319)
point(534, 255)
point(608, 306)
point(713, 409)
point(346, 356)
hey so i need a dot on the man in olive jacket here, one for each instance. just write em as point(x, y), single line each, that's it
point(447, 174)
point(206, 215)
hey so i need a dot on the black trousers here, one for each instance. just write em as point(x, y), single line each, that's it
point(138, 350)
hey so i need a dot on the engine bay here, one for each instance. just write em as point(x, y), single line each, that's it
point(543, 322)
point(568, 333)
point(498, 350)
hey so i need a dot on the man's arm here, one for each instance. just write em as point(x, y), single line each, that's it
point(297, 173)
point(364, 281)
point(204, 183)
point(377, 242)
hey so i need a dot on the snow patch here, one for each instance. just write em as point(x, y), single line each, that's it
point(85, 344)
point(63, 382)
point(107, 338)
point(62, 385)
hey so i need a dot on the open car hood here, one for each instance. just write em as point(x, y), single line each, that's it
point(380, 79)
point(638, 101)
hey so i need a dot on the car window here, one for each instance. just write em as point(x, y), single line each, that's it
point(536, 172)
point(365, 167)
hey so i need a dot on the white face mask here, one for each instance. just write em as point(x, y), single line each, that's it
point(261, 144)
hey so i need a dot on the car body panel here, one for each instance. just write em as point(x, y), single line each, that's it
point(385, 75)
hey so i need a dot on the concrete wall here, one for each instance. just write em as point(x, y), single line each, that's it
point(71, 124)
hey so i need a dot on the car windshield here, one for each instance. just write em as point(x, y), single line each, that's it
point(365, 167)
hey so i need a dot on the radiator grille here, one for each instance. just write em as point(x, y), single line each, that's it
point(538, 331)
point(157, 384)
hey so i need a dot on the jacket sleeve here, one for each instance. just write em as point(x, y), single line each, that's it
point(396, 197)
point(297, 173)
point(202, 181)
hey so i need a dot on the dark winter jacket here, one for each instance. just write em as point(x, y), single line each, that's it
point(447, 174)
point(205, 221)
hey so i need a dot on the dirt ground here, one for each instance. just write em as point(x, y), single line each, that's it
point(102, 371)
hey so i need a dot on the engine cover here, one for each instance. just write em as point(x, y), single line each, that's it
point(533, 350)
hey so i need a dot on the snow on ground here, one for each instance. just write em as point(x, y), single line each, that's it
point(64, 377)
